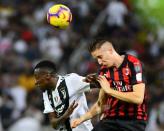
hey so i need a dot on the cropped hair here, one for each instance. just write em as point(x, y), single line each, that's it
point(97, 43)
point(46, 64)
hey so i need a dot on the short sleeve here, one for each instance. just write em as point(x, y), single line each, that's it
point(76, 84)
point(137, 73)
point(47, 104)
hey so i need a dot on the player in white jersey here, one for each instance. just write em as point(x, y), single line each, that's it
point(63, 96)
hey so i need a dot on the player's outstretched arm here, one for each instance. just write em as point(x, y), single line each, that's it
point(94, 110)
point(56, 121)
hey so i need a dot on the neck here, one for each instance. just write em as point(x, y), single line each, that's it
point(56, 80)
point(119, 59)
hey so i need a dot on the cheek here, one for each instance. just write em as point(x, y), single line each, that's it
point(106, 58)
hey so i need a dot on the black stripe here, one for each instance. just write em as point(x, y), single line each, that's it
point(135, 111)
point(119, 103)
point(126, 105)
point(126, 110)
point(120, 72)
point(142, 108)
point(133, 73)
point(113, 99)
point(112, 78)
point(63, 87)
point(132, 81)
point(117, 108)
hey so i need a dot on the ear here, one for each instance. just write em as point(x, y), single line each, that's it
point(110, 50)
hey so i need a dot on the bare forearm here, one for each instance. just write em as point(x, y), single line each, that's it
point(131, 97)
point(95, 110)
point(136, 96)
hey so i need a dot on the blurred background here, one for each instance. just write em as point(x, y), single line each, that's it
point(26, 38)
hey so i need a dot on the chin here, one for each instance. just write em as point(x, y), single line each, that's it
point(106, 66)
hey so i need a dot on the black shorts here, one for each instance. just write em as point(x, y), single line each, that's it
point(120, 125)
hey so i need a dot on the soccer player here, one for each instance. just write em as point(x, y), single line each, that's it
point(121, 99)
point(63, 96)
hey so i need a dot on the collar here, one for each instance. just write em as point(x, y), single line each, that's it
point(59, 80)
point(124, 61)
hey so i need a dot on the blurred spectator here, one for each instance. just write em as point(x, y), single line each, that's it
point(6, 111)
point(18, 94)
point(30, 121)
point(156, 120)
point(51, 48)
point(116, 12)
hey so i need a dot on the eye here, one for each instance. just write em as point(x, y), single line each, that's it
point(99, 57)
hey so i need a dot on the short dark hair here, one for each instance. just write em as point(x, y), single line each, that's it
point(97, 43)
point(46, 64)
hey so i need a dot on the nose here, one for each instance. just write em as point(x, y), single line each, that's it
point(99, 61)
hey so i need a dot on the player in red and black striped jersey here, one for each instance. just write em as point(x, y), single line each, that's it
point(122, 95)
point(122, 79)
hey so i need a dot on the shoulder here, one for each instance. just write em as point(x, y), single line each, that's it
point(72, 77)
point(133, 59)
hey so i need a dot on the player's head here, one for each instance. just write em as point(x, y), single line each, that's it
point(45, 72)
point(103, 51)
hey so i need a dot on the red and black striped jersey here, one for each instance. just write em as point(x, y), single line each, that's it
point(122, 79)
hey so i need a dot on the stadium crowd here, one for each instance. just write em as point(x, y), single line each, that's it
point(26, 38)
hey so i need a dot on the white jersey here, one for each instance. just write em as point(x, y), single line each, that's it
point(69, 88)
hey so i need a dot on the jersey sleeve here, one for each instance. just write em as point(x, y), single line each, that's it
point(76, 84)
point(47, 104)
point(137, 73)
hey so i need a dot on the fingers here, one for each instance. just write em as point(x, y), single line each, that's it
point(72, 107)
point(90, 78)
point(72, 103)
point(101, 78)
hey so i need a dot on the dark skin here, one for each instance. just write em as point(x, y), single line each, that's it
point(46, 79)
point(93, 80)
point(90, 78)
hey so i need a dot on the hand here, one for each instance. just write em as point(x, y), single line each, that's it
point(91, 78)
point(76, 122)
point(70, 109)
point(104, 84)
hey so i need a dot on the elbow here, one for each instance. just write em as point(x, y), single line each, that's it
point(138, 101)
